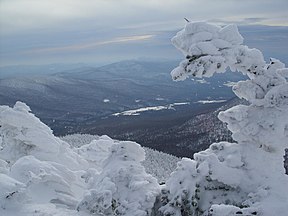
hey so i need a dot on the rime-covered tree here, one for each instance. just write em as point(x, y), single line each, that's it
point(246, 177)
point(35, 166)
point(22, 134)
point(123, 187)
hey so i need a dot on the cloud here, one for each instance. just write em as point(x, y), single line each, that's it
point(19, 15)
point(45, 27)
point(76, 47)
point(242, 20)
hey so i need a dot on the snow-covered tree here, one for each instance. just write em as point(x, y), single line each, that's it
point(246, 177)
point(35, 166)
point(39, 173)
point(123, 187)
point(24, 134)
point(95, 149)
point(12, 193)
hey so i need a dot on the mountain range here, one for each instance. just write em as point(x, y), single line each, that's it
point(128, 100)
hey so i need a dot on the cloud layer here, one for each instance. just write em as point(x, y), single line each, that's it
point(41, 27)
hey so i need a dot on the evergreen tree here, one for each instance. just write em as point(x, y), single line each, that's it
point(123, 187)
point(246, 177)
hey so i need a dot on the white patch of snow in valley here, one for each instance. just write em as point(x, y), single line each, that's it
point(136, 112)
point(159, 99)
point(180, 103)
point(202, 81)
point(230, 84)
point(210, 101)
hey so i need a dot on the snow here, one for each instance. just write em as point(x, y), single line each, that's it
point(202, 81)
point(11, 193)
point(230, 84)
point(3, 167)
point(210, 101)
point(136, 112)
point(158, 164)
point(96, 151)
point(31, 136)
point(180, 103)
point(123, 187)
point(214, 53)
point(246, 177)
point(44, 175)
point(41, 174)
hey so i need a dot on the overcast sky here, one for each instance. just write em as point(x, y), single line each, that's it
point(100, 31)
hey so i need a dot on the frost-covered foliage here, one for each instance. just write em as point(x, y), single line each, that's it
point(36, 167)
point(246, 177)
point(78, 140)
point(123, 187)
point(41, 174)
point(158, 164)
point(24, 134)
point(211, 49)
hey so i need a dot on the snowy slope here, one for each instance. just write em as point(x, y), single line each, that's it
point(41, 174)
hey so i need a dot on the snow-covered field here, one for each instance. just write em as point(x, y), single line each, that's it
point(154, 108)
point(210, 101)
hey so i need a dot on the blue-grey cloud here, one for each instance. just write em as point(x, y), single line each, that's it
point(74, 29)
point(90, 45)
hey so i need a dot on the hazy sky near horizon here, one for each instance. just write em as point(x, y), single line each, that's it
point(46, 31)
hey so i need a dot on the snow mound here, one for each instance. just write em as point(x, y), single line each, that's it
point(158, 164)
point(41, 174)
point(123, 187)
point(24, 134)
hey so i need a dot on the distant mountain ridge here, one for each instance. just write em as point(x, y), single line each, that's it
point(84, 99)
